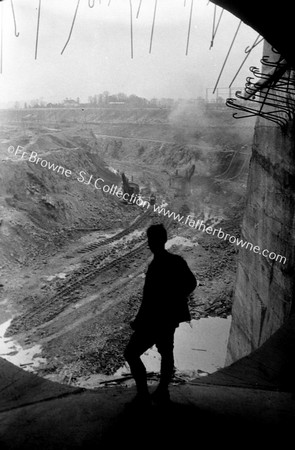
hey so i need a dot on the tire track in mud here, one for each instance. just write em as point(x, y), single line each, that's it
point(138, 222)
point(69, 290)
point(101, 306)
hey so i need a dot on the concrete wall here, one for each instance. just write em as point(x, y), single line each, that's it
point(265, 288)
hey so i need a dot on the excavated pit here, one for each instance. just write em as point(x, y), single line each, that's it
point(74, 256)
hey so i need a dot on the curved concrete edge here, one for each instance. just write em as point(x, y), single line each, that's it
point(104, 419)
point(271, 366)
point(19, 388)
point(39, 414)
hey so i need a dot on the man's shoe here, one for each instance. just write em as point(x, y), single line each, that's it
point(161, 396)
point(141, 401)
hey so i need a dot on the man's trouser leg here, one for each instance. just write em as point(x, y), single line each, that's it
point(165, 345)
point(139, 343)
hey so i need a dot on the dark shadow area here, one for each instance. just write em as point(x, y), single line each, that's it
point(249, 403)
point(183, 426)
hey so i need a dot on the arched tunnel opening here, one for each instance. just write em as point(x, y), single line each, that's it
point(98, 172)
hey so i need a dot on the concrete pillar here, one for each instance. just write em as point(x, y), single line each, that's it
point(265, 287)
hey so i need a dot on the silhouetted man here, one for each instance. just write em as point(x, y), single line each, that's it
point(168, 283)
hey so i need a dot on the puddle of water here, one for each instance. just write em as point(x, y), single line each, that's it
point(199, 348)
point(203, 345)
point(179, 240)
point(97, 236)
point(26, 358)
point(61, 275)
point(132, 235)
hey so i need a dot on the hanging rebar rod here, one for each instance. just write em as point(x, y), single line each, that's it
point(271, 115)
point(216, 28)
point(38, 27)
point(268, 79)
point(218, 23)
point(213, 27)
point(267, 98)
point(273, 76)
point(280, 62)
point(251, 89)
point(138, 10)
point(290, 86)
point(189, 27)
point(14, 19)
point(131, 28)
point(274, 90)
point(153, 26)
point(226, 58)
point(247, 51)
point(255, 43)
point(72, 26)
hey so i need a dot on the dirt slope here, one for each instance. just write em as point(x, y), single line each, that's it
point(40, 205)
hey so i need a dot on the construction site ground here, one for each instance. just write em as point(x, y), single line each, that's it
point(77, 305)
point(245, 405)
point(72, 275)
point(74, 259)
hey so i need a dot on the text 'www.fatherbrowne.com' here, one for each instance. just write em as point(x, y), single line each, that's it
point(99, 184)
point(218, 232)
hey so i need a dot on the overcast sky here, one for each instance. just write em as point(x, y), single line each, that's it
point(98, 55)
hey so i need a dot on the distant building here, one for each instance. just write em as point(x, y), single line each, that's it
point(69, 102)
point(166, 102)
point(154, 102)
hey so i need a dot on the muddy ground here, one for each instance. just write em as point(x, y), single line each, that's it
point(78, 306)
point(73, 268)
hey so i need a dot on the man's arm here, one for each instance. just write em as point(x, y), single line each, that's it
point(188, 279)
